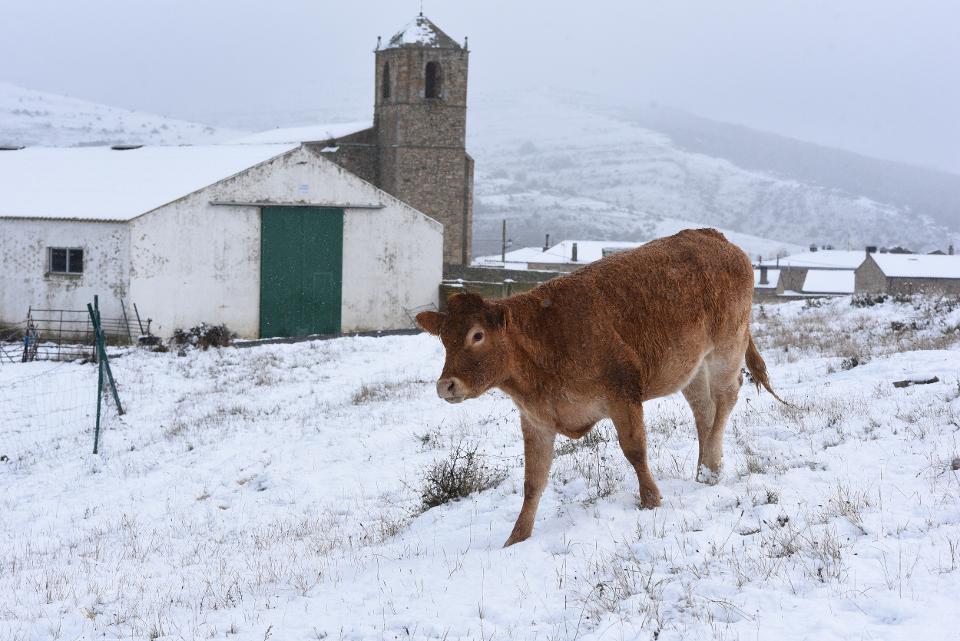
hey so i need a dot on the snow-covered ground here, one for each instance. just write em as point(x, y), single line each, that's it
point(274, 492)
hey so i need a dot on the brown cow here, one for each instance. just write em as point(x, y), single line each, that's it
point(672, 315)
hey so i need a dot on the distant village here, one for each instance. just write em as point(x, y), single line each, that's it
point(318, 230)
point(820, 271)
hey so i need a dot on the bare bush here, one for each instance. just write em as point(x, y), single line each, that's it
point(203, 336)
point(463, 472)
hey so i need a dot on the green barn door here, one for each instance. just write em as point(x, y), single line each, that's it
point(301, 259)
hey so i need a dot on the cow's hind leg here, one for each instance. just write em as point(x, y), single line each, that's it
point(628, 419)
point(725, 381)
point(698, 395)
point(537, 458)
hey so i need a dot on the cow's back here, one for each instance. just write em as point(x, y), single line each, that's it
point(668, 300)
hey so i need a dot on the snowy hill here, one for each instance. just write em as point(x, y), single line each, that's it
point(33, 118)
point(566, 165)
point(276, 492)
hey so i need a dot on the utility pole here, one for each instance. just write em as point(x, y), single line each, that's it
point(503, 242)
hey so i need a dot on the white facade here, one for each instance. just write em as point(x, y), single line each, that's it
point(197, 259)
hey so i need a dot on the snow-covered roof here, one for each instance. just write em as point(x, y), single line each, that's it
point(308, 133)
point(422, 33)
point(560, 254)
point(828, 281)
point(918, 265)
point(773, 277)
point(100, 183)
point(824, 259)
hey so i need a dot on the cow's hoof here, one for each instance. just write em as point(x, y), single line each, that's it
point(516, 538)
point(707, 476)
point(649, 500)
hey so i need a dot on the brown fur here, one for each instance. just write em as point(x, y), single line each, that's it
point(672, 315)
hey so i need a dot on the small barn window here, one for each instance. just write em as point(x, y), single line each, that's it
point(434, 74)
point(385, 85)
point(61, 260)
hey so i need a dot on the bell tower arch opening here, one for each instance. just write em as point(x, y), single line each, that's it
point(433, 81)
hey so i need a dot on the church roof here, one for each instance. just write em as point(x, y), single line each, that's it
point(422, 33)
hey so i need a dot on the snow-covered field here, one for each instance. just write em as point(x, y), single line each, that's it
point(274, 493)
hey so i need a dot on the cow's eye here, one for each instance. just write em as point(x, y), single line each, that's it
point(477, 337)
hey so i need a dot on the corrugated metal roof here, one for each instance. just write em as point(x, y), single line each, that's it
point(100, 183)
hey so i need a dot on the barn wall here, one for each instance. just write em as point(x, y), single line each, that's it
point(198, 262)
point(23, 266)
point(392, 266)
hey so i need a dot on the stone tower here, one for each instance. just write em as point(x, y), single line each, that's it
point(420, 120)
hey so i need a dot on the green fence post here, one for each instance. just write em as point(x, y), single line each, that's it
point(102, 356)
point(96, 334)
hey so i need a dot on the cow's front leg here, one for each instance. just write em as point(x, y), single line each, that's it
point(537, 458)
point(628, 419)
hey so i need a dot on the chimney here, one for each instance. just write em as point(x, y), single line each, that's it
point(573, 253)
point(546, 243)
point(871, 249)
point(763, 275)
point(950, 250)
point(813, 247)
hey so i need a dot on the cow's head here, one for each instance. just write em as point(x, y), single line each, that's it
point(474, 333)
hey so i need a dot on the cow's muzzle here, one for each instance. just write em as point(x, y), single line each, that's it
point(451, 389)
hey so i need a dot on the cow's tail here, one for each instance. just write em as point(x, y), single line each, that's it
point(758, 369)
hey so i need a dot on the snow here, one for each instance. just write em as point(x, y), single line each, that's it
point(588, 251)
point(308, 133)
point(824, 258)
point(99, 183)
point(31, 118)
point(918, 265)
point(828, 281)
point(421, 32)
point(273, 492)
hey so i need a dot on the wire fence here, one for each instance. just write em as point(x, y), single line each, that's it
point(45, 405)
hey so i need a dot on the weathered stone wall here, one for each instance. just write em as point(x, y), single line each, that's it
point(869, 278)
point(947, 286)
point(357, 153)
point(495, 275)
point(422, 158)
point(791, 279)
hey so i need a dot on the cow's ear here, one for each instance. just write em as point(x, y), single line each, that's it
point(498, 316)
point(430, 322)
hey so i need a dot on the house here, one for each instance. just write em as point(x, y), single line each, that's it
point(794, 272)
point(565, 256)
point(307, 230)
point(909, 274)
point(416, 147)
point(272, 240)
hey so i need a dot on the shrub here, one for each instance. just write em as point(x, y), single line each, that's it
point(868, 300)
point(203, 336)
point(462, 473)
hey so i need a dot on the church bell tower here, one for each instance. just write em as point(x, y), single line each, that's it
point(420, 119)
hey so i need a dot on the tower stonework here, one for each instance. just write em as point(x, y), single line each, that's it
point(420, 120)
point(416, 148)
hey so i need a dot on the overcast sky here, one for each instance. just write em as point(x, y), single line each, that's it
point(881, 77)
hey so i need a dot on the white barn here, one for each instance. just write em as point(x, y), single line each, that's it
point(272, 240)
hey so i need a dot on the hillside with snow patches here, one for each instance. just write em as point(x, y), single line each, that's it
point(35, 118)
point(567, 165)
point(277, 492)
